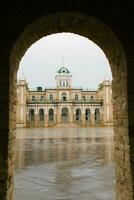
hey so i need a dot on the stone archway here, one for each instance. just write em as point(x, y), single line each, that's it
point(105, 38)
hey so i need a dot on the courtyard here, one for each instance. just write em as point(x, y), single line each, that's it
point(64, 164)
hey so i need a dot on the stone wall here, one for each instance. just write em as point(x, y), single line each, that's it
point(19, 15)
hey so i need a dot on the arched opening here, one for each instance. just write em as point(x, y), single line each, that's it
point(64, 97)
point(51, 115)
point(31, 117)
point(97, 32)
point(87, 116)
point(64, 115)
point(51, 97)
point(76, 97)
point(91, 98)
point(84, 98)
point(33, 98)
point(78, 115)
point(97, 116)
point(42, 98)
point(41, 117)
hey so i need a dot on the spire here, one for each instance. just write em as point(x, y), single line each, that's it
point(62, 61)
point(63, 70)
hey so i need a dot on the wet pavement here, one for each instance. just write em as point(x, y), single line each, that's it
point(64, 164)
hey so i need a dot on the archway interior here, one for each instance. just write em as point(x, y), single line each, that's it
point(99, 33)
point(86, 114)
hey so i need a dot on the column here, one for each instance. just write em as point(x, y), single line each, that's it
point(83, 115)
point(55, 116)
point(27, 119)
point(74, 115)
point(92, 117)
point(71, 114)
point(101, 118)
point(46, 115)
point(83, 118)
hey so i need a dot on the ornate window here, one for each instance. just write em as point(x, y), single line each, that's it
point(76, 97)
point(33, 98)
point(42, 98)
point(84, 98)
point(51, 97)
point(64, 97)
point(91, 98)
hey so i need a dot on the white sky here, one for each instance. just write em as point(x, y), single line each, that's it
point(85, 60)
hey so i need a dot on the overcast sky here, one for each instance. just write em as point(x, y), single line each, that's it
point(85, 60)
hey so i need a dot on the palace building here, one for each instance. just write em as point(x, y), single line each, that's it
point(64, 104)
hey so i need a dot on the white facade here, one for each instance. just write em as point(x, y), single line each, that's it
point(64, 104)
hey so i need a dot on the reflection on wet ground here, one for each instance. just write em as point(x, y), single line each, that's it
point(64, 164)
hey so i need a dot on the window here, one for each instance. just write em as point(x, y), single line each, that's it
point(84, 98)
point(42, 98)
point(76, 97)
point(64, 98)
point(91, 98)
point(33, 98)
point(51, 97)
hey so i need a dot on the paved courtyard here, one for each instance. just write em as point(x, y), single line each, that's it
point(64, 164)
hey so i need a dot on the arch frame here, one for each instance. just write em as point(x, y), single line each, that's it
point(107, 40)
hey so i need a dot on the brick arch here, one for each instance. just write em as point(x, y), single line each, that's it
point(105, 38)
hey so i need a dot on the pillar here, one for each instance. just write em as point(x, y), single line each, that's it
point(46, 118)
point(71, 114)
point(27, 119)
point(59, 114)
point(83, 118)
point(92, 117)
point(36, 119)
point(101, 118)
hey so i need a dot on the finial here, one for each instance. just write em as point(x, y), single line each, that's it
point(62, 62)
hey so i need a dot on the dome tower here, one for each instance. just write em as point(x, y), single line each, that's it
point(63, 78)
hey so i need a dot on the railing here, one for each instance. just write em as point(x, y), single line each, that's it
point(61, 101)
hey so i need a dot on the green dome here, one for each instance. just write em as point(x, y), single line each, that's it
point(63, 70)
